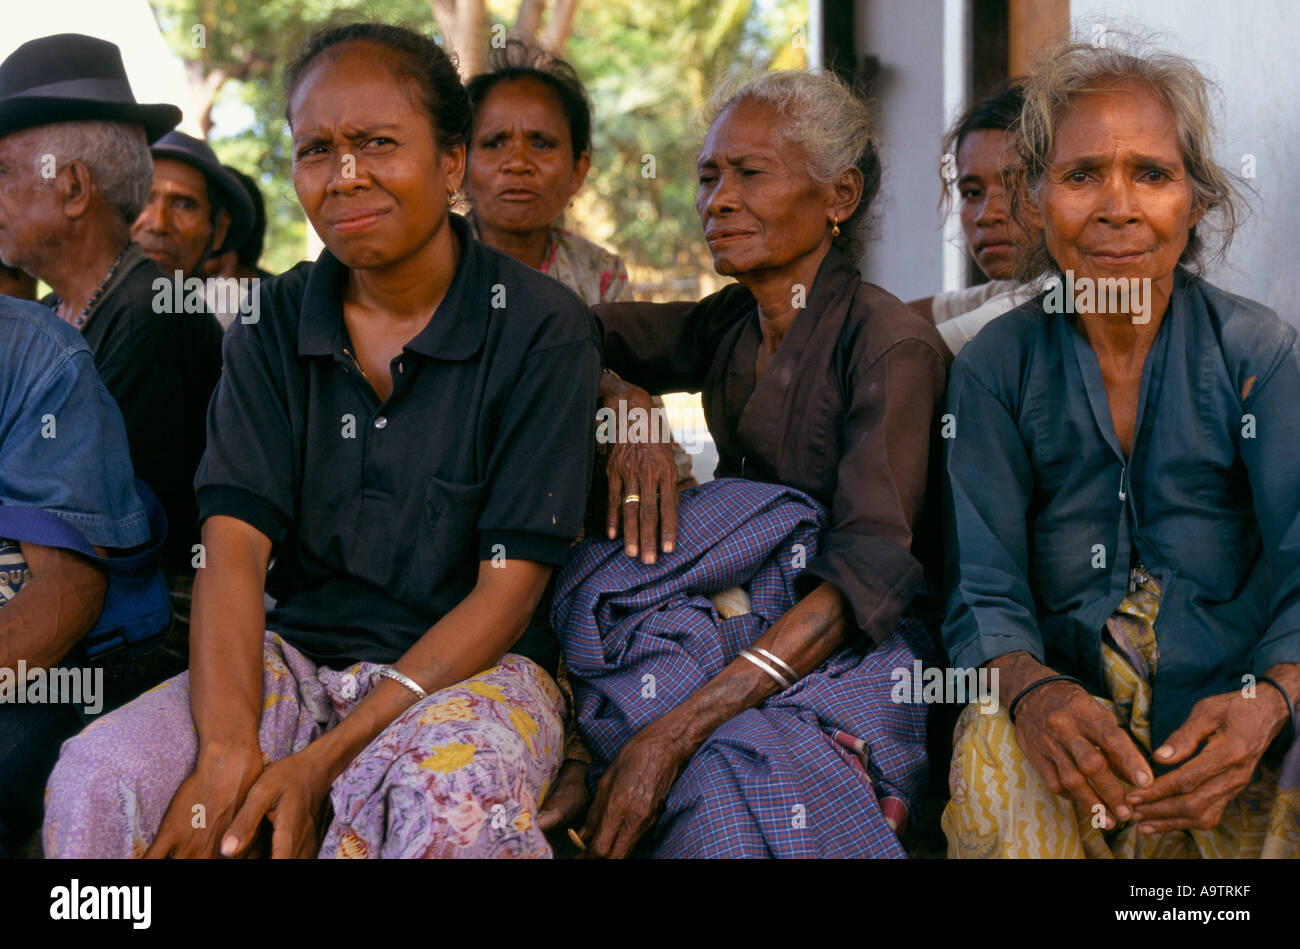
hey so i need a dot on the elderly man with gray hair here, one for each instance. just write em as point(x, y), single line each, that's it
point(75, 172)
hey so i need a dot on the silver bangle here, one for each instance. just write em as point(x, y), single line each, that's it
point(770, 670)
point(779, 662)
point(388, 672)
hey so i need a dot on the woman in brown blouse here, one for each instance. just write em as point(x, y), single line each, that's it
point(810, 378)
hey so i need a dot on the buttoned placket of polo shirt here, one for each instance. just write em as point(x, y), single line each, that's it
point(380, 421)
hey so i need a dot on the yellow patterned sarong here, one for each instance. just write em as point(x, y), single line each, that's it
point(1000, 807)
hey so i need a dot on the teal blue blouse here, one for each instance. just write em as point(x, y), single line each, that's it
point(1044, 513)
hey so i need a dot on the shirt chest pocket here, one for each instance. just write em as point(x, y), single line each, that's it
point(448, 542)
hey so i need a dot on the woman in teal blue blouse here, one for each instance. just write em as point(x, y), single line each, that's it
point(1123, 446)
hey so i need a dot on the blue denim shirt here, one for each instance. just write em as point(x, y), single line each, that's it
point(1044, 513)
point(62, 439)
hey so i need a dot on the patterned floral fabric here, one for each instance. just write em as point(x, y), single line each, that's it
point(589, 270)
point(459, 774)
point(1000, 806)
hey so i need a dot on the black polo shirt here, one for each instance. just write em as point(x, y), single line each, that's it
point(161, 369)
point(381, 512)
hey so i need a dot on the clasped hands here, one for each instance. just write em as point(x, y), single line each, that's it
point(1079, 749)
point(234, 793)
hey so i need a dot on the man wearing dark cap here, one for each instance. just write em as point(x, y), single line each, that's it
point(75, 172)
point(196, 208)
point(238, 263)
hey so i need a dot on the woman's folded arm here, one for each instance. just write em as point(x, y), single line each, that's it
point(472, 637)
point(990, 610)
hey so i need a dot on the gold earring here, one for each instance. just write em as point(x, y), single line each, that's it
point(835, 227)
point(451, 199)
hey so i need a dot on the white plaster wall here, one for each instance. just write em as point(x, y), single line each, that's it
point(919, 88)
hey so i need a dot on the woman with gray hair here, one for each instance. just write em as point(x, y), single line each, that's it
point(739, 687)
point(1125, 445)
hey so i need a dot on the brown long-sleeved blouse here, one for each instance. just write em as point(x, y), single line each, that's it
point(845, 412)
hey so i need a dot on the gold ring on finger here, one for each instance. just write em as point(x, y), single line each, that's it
point(632, 497)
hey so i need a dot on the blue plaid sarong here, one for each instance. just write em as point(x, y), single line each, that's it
point(773, 781)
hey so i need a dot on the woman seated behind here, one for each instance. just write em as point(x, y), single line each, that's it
point(1124, 447)
point(826, 388)
point(982, 151)
point(418, 457)
point(529, 153)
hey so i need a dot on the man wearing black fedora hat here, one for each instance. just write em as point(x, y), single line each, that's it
point(74, 149)
point(197, 209)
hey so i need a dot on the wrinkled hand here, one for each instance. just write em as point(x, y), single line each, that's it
point(1236, 732)
point(1079, 749)
point(648, 470)
point(208, 798)
point(291, 794)
point(568, 798)
point(631, 794)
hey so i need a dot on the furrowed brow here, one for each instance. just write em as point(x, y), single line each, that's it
point(369, 130)
point(309, 137)
point(1164, 161)
point(1082, 161)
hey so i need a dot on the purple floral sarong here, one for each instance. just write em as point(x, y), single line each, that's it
point(459, 774)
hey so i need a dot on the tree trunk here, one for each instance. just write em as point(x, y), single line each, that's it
point(464, 27)
point(201, 95)
point(560, 26)
point(529, 20)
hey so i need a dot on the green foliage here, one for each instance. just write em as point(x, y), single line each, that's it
point(649, 68)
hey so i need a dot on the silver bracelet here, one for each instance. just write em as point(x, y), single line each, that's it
point(770, 670)
point(388, 672)
point(779, 662)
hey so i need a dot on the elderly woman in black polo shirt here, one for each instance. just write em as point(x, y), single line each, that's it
point(409, 428)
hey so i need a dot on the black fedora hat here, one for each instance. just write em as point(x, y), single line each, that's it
point(196, 152)
point(69, 77)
